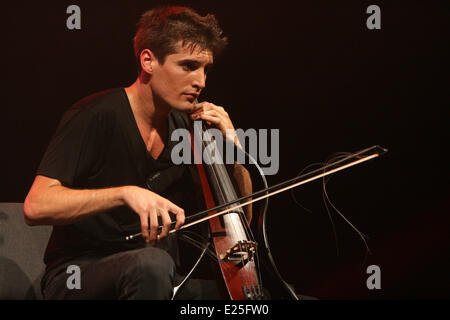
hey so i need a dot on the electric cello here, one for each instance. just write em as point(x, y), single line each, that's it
point(246, 264)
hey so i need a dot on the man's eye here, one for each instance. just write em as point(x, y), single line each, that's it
point(189, 66)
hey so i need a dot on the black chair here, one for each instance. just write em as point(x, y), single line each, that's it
point(21, 254)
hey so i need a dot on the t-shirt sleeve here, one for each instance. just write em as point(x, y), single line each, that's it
point(75, 147)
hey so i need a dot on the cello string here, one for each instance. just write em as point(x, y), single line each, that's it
point(214, 173)
point(229, 218)
point(237, 232)
point(254, 271)
point(254, 277)
point(242, 234)
point(239, 222)
point(214, 168)
point(249, 267)
point(262, 213)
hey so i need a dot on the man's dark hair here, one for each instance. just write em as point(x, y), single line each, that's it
point(160, 29)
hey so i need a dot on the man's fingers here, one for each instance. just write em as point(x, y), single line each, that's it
point(206, 106)
point(179, 213)
point(166, 223)
point(212, 119)
point(144, 227)
point(197, 107)
point(201, 111)
point(153, 226)
point(212, 113)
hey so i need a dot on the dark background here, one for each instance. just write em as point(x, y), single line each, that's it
point(312, 70)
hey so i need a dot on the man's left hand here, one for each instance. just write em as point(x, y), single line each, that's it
point(217, 116)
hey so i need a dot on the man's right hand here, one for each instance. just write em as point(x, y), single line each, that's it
point(149, 205)
point(50, 203)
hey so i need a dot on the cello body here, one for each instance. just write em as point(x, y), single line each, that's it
point(245, 262)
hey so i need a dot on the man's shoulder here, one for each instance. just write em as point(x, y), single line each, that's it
point(102, 104)
point(102, 101)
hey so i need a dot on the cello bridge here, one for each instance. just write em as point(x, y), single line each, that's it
point(253, 292)
point(242, 251)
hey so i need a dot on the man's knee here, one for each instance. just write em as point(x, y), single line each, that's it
point(149, 274)
point(154, 263)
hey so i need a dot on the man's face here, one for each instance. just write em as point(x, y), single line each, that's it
point(181, 78)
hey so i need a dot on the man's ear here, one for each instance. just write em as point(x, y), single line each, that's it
point(148, 60)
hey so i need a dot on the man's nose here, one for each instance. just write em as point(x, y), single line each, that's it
point(200, 80)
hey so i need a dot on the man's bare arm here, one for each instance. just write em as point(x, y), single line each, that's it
point(49, 202)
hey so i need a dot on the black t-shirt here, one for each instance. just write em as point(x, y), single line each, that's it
point(98, 145)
